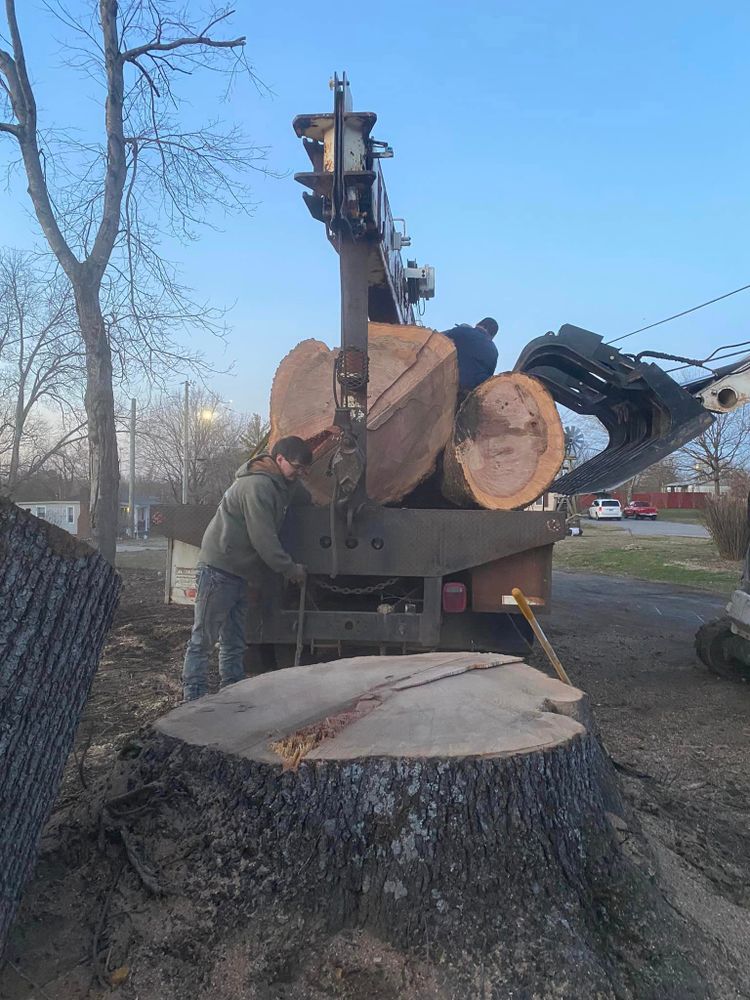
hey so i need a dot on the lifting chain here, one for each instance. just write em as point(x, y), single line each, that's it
point(372, 589)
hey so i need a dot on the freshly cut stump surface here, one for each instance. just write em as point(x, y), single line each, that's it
point(416, 706)
point(466, 818)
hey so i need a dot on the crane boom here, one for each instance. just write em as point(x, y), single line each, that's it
point(348, 195)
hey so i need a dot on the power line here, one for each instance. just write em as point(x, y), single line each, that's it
point(677, 315)
point(702, 364)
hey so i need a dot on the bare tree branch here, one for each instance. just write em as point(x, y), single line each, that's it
point(40, 363)
point(178, 43)
point(105, 206)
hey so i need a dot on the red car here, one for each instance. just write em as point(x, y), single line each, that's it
point(639, 509)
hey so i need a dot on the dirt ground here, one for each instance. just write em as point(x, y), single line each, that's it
point(678, 736)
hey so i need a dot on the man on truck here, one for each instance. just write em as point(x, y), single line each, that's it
point(477, 354)
point(242, 537)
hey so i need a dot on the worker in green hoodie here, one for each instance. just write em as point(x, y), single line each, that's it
point(243, 536)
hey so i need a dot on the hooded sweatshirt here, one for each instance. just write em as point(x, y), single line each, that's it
point(477, 355)
point(244, 531)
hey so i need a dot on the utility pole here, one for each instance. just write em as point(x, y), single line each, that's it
point(185, 443)
point(131, 491)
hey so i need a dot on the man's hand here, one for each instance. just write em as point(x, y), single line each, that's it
point(297, 574)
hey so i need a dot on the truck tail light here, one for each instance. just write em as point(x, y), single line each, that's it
point(454, 597)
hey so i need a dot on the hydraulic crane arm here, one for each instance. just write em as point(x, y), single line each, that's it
point(347, 194)
point(725, 389)
point(646, 413)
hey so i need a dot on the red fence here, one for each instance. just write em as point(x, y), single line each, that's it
point(674, 501)
point(662, 501)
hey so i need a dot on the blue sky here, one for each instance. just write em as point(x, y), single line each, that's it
point(556, 162)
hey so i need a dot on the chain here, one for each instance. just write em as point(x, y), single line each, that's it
point(373, 589)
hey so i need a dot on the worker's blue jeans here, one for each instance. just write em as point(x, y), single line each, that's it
point(221, 606)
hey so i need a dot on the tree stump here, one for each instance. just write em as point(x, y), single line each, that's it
point(469, 811)
point(411, 401)
point(507, 446)
point(58, 597)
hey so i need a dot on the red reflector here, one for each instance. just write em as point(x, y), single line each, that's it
point(454, 597)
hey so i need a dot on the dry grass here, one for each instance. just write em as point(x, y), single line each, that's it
point(688, 562)
point(727, 521)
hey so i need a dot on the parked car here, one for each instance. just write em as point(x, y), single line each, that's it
point(605, 508)
point(639, 509)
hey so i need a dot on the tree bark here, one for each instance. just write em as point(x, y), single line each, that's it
point(471, 816)
point(104, 464)
point(58, 597)
point(508, 444)
point(411, 401)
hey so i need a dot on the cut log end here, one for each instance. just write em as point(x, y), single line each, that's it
point(508, 444)
point(411, 401)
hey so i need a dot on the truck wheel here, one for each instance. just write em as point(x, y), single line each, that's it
point(709, 645)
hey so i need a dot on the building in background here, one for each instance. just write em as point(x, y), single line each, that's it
point(695, 486)
point(66, 514)
point(143, 505)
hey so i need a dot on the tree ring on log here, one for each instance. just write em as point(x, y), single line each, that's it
point(411, 400)
point(508, 444)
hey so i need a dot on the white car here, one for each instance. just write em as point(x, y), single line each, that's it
point(605, 508)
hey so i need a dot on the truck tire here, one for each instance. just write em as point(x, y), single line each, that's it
point(709, 645)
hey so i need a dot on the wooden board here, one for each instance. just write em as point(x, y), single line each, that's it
point(411, 406)
point(507, 446)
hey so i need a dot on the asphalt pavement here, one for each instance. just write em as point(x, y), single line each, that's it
point(682, 529)
point(593, 598)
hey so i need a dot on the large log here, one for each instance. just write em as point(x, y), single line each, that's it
point(469, 817)
point(411, 404)
point(507, 446)
point(58, 597)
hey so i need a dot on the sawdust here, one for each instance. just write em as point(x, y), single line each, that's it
point(296, 746)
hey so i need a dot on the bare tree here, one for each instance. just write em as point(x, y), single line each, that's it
point(218, 441)
point(255, 436)
point(41, 368)
point(104, 218)
point(69, 467)
point(654, 479)
point(720, 448)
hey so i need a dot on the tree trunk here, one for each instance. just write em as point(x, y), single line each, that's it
point(411, 402)
point(58, 598)
point(104, 466)
point(18, 426)
point(464, 814)
point(508, 444)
